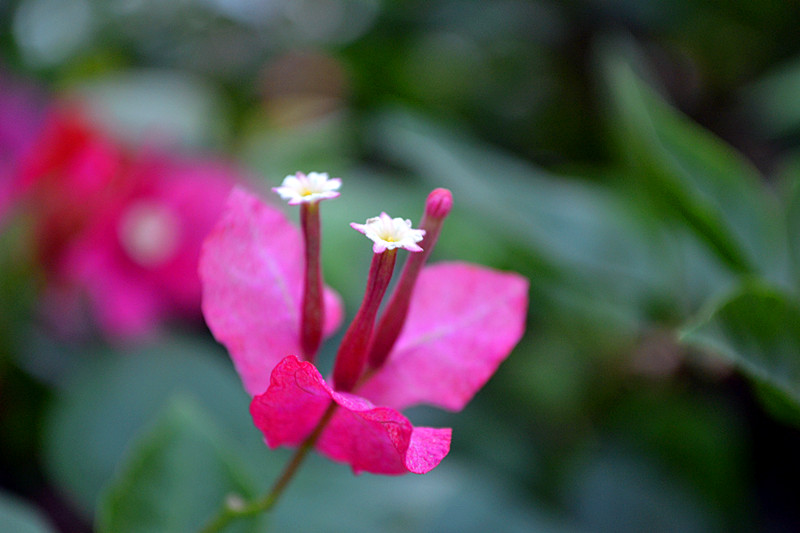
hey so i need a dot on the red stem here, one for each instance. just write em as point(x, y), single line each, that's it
point(391, 323)
point(352, 355)
point(312, 312)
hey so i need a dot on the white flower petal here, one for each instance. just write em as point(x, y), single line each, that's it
point(308, 188)
point(389, 233)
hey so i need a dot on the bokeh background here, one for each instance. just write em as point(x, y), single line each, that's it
point(637, 160)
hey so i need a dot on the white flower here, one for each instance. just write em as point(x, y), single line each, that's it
point(389, 233)
point(308, 188)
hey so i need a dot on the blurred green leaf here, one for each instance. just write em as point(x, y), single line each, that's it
point(698, 438)
point(19, 517)
point(157, 106)
point(778, 404)
point(694, 176)
point(793, 228)
point(576, 223)
point(106, 402)
point(19, 282)
point(175, 477)
point(758, 329)
point(456, 497)
point(772, 100)
point(322, 144)
point(596, 251)
point(614, 490)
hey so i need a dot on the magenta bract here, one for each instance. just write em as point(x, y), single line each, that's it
point(251, 269)
point(138, 260)
point(117, 229)
point(369, 438)
point(463, 321)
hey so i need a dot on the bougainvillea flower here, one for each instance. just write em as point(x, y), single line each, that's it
point(71, 174)
point(118, 229)
point(388, 233)
point(138, 263)
point(312, 187)
point(463, 320)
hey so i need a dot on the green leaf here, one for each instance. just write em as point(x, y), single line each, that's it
point(694, 176)
point(274, 152)
point(175, 477)
point(107, 401)
point(520, 200)
point(456, 496)
point(757, 328)
point(772, 100)
point(596, 251)
point(19, 280)
point(698, 438)
point(19, 517)
point(180, 107)
point(616, 489)
point(793, 229)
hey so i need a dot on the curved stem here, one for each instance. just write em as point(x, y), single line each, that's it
point(234, 508)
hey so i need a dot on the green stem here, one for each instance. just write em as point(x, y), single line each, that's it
point(234, 508)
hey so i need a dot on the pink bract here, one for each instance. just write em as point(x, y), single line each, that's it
point(119, 229)
point(128, 293)
point(369, 438)
point(252, 274)
point(463, 322)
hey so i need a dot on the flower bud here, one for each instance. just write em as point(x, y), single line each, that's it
point(437, 207)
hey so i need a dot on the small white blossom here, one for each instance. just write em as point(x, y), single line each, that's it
point(308, 188)
point(389, 233)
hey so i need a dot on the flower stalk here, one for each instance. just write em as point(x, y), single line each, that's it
point(437, 207)
point(352, 355)
point(307, 191)
point(234, 508)
point(312, 313)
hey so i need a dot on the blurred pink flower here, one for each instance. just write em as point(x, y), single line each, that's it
point(118, 229)
point(21, 109)
point(463, 321)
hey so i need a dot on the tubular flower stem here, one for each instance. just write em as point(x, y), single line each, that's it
point(352, 354)
point(437, 207)
point(308, 190)
point(313, 310)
